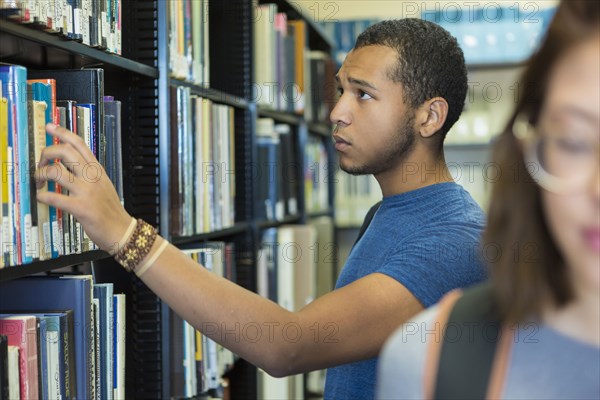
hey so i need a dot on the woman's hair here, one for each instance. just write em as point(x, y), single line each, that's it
point(529, 269)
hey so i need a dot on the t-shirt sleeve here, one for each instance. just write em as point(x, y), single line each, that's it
point(434, 261)
point(401, 365)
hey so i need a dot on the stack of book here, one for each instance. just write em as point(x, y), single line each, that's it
point(202, 164)
point(199, 363)
point(188, 41)
point(96, 23)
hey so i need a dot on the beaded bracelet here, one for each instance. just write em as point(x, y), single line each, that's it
point(138, 246)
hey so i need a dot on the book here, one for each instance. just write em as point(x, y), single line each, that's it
point(265, 60)
point(71, 229)
point(269, 171)
point(14, 85)
point(119, 337)
point(103, 292)
point(84, 86)
point(6, 236)
point(4, 367)
point(40, 213)
point(290, 169)
point(58, 338)
point(22, 333)
point(14, 386)
point(59, 293)
point(114, 157)
point(267, 265)
point(47, 93)
point(300, 45)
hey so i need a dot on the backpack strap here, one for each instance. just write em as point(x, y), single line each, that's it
point(474, 349)
point(367, 222)
point(432, 357)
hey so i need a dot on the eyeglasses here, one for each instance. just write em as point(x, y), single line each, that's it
point(559, 162)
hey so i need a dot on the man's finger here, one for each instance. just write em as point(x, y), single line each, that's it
point(66, 136)
point(53, 199)
point(56, 173)
point(66, 153)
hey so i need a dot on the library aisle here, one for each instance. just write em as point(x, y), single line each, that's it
point(211, 118)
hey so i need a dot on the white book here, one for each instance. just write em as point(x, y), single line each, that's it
point(119, 348)
point(13, 372)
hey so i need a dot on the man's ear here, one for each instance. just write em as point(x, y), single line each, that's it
point(431, 116)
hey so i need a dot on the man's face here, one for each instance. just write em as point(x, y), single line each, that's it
point(374, 131)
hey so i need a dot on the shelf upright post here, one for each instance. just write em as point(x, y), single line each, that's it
point(163, 146)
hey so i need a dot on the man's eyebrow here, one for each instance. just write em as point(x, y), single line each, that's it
point(358, 82)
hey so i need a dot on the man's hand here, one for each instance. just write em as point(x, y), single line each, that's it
point(92, 198)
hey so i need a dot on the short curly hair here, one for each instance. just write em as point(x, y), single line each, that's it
point(430, 63)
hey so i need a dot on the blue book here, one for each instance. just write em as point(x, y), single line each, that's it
point(44, 91)
point(42, 358)
point(270, 171)
point(14, 87)
point(119, 346)
point(59, 293)
point(104, 293)
point(271, 247)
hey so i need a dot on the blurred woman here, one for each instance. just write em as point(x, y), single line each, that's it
point(544, 219)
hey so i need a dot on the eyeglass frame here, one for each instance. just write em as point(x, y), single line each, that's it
point(527, 134)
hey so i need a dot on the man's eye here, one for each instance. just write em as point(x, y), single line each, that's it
point(363, 95)
point(340, 91)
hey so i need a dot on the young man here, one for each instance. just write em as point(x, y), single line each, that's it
point(402, 88)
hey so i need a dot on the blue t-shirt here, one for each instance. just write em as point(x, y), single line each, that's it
point(428, 240)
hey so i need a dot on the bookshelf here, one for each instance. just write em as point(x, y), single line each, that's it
point(140, 78)
point(131, 78)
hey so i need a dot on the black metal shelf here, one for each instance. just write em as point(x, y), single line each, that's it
point(20, 271)
point(290, 219)
point(220, 234)
point(280, 116)
point(321, 129)
point(41, 48)
point(468, 146)
point(211, 94)
point(495, 66)
point(323, 213)
point(317, 38)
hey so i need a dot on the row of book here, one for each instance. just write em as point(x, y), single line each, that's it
point(487, 35)
point(64, 339)
point(296, 264)
point(28, 101)
point(354, 196)
point(277, 171)
point(494, 34)
point(287, 75)
point(198, 364)
point(96, 23)
point(188, 41)
point(344, 34)
point(202, 172)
